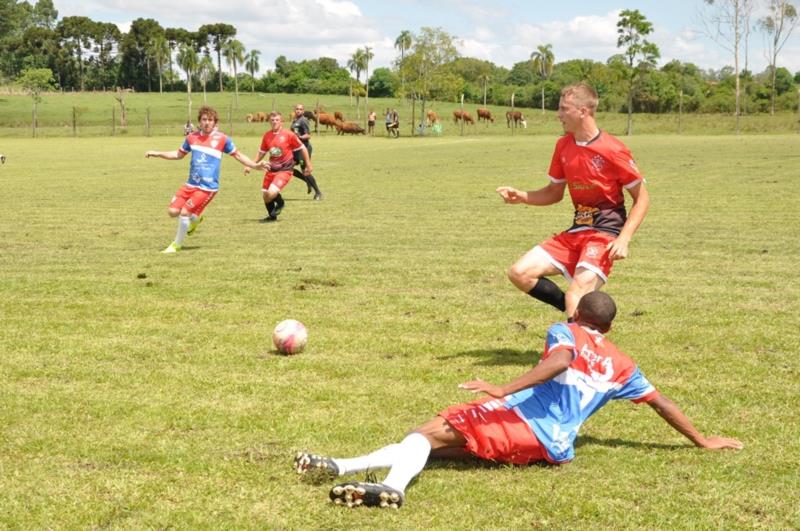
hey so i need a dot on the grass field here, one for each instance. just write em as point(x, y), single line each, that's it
point(140, 390)
point(92, 115)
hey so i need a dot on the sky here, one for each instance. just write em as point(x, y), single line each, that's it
point(502, 31)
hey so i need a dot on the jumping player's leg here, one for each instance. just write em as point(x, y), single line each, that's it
point(528, 275)
point(584, 281)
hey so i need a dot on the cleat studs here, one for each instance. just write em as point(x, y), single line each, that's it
point(384, 504)
point(350, 505)
point(337, 501)
point(361, 491)
point(338, 490)
point(395, 497)
point(383, 496)
point(359, 502)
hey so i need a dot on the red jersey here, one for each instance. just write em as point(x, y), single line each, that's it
point(281, 147)
point(595, 174)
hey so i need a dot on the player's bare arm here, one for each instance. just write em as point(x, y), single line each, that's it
point(556, 363)
point(167, 155)
point(248, 162)
point(307, 169)
point(550, 194)
point(673, 415)
point(618, 248)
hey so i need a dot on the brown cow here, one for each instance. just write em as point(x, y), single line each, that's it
point(328, 120)
point(349, 128)
point(249, 117)
point(463, 115)
point(310, 116)
point(485, 114)
point(338, 115)
point(517, 117)
point(260, 117)
point(432, 118)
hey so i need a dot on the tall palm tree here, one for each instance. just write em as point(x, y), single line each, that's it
point(187, 59)
point(356, 64)
point(205, 70)
point(543, 61)
point(159, 51)
point(233, 50)
point(367, 56)
point(403, 43)
point(252, 66)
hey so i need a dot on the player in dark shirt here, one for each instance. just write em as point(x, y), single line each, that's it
point(303, 131)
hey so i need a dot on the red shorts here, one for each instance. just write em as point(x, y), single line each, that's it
point(192, 199)
point(494, 432)
point(278, 178)
point(586, 248)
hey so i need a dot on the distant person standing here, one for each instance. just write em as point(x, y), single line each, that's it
point(280, 144)
point(371, 122)
point(188, 129)
point(302, 129)
point(597, 168)
point(206, 146)
point(393, 123)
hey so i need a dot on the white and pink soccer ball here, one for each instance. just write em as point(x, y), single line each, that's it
point(290, 336)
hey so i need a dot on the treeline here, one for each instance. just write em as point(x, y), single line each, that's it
point(83, 54)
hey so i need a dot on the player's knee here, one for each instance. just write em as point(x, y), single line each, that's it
point(519, 276)
point(173, 212)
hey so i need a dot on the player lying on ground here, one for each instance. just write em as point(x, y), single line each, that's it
point(579, 372)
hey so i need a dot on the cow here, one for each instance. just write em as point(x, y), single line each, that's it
point(260, 117)
point(349, 128)
point(485, 115)
point(463, 115)
point(432, 118)
point(338, 115)
point(310, 116)
point(517, 117)
point(328, 120)
point(249, 117)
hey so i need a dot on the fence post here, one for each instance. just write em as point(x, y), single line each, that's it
point(413, 116)
point(113, 121)
point(33, 120)
point(147, 122)
point(74, 123)
point(230, 119)
point(462, 114)
point(513, 127)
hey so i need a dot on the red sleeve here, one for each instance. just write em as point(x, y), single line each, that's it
point(556, 170)
point(623, 161)
point(264, 146)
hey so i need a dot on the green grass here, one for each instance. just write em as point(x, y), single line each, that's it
point(168, 113)
point(141, 391)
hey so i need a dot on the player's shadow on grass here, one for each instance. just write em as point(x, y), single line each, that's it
point(615, 443)
point(499, 357)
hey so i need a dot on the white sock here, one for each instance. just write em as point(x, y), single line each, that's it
point(411, 457)
point(383, 458)
point(183, 227)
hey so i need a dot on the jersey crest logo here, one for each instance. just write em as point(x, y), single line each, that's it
point(275, 152)
point(214, 143)
point(598, 162)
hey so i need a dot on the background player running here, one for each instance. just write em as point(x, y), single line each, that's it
point(302, 129)
point(206, 146)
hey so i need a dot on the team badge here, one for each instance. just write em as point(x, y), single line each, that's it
point(592, 252)
point(214, 143)
point(275, 152)
point(598, 162)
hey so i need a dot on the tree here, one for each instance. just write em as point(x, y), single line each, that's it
point(134, 69)
point(35, 81)
point(159, 51)
point(45, 14)
point(187, 59)
point(357, 63)
point(176, 36)
point(205, 69)
point(367, 56)
point(543, 61)
point(424, 68)
point(640, 55)
point(77, 32)
point(383, 83)
point(777, 26)
point(233, 50)
point(725, 22)
point(403, 43)
point(252, 66)
point(217, 35)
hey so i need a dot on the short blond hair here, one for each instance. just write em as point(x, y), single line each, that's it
point(582, 95)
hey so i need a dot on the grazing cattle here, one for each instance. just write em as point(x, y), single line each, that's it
point(485, 115)
point(463, 115)
point(432, 118)
point(518, 119)
point(338, 115)
point(349, 128)
point(310, 116)
point(260, 117)
point(328, 120)
point(249, 117)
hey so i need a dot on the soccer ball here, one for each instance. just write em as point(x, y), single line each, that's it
point(290, 336)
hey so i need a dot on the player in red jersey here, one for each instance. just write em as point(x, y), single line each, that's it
point(280, 144)
point(596, 167)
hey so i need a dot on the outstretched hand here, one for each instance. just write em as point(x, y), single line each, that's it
point(722, 443)
point(617, 248)
point(479, 386)
point(510, 195)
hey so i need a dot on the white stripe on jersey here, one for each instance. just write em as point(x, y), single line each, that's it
point(217, 154)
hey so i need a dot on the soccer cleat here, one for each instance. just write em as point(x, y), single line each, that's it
point(357, 493)
point(315, 465)
point(308, 188)
point(268, 219)
point(318, 196)
point(278, 209)
point(193, 225)
point(172, 248)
